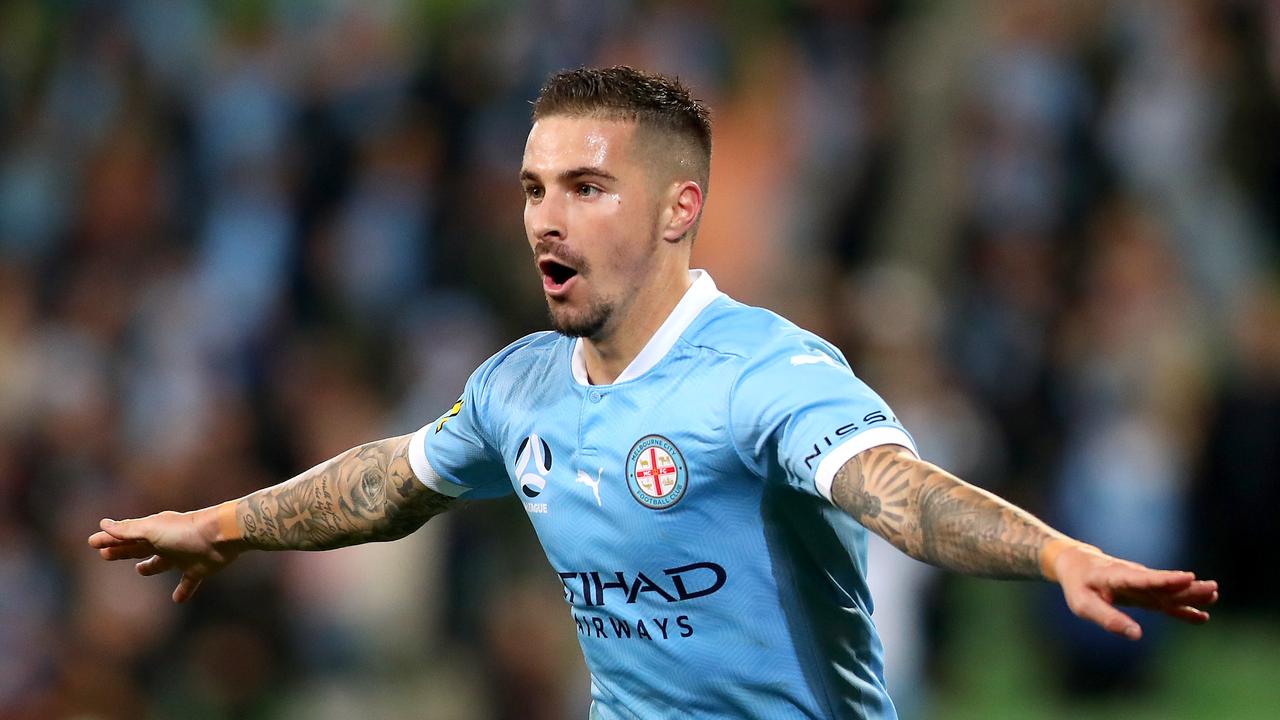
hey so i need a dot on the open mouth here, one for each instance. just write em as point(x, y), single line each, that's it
point(556, 275)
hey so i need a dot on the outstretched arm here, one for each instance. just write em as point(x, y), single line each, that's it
point(366, 494)
point(935, 517)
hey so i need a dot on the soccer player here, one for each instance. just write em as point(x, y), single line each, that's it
point(700, 473)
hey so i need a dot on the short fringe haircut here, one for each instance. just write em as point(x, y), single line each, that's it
point(625, 93)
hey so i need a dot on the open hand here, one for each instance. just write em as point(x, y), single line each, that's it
point(167, 540)
point(1094, 583)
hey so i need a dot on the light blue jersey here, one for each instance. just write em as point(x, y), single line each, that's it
point(686, 508)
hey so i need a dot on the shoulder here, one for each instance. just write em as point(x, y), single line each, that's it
point(757, 336)
point(528, 347)
point(522, 357)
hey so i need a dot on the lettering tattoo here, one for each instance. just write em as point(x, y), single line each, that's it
point(935, 517)
point(367, 494)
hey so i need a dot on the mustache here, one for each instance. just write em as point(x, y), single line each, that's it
point(557, 250)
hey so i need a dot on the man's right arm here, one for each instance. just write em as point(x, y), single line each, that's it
point(367, 494)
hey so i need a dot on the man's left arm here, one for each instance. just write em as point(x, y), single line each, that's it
point(935, 517)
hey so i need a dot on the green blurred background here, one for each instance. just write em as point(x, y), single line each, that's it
point(237, 238)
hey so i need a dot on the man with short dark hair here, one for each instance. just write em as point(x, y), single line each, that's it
point(701, 473)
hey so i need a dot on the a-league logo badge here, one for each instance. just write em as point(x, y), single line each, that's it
point(533, 464)
point(656, 472)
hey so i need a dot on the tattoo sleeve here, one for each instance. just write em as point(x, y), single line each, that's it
point(935, 517)
point(367, 494)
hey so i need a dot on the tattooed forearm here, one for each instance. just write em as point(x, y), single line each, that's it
point(933, 516)
point(366, 494)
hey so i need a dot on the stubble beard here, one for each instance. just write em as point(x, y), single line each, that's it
point(588, 323)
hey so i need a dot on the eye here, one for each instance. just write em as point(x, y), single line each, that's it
point(585, 190)
point(533, 192)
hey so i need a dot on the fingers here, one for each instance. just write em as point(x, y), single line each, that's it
point(125, 529)
point(154, 565)
point(1141, 578)
point(128, 551)
point(1175, 593)
point(1199, 594)
point(128, 539)
point(1093, 608)
point(104, 539)
point(187, 587)
point(1186, 613)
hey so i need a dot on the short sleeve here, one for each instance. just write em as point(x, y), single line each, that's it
point(799, 413)
point(453, 454)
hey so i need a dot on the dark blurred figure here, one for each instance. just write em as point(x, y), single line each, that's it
point(1131, 384)
point(1238, 488)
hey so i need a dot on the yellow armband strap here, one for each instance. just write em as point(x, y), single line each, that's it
point(228, 527)
point(1052, 549)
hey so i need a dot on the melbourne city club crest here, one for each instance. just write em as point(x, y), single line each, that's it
point(656, 472)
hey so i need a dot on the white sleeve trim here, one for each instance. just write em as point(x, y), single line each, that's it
point(422, 467)
point(864, 440)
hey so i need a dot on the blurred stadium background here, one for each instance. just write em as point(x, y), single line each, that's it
point(239, 237)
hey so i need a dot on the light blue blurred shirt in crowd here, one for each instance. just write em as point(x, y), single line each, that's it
point(686, 508)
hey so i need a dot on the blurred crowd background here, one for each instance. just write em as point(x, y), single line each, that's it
point(237, 238)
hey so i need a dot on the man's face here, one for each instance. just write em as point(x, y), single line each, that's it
point(591, 217)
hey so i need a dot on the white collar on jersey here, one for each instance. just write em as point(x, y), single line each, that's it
point(700, 294)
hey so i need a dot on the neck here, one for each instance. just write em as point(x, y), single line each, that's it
point(607, 356)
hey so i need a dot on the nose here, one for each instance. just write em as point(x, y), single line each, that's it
point(546, 220)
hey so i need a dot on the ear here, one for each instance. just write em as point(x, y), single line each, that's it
point(683, 208)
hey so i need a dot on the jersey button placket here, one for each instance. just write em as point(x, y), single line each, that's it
point(586, 442)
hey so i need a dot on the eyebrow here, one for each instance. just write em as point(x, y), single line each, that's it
point(570, 175)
